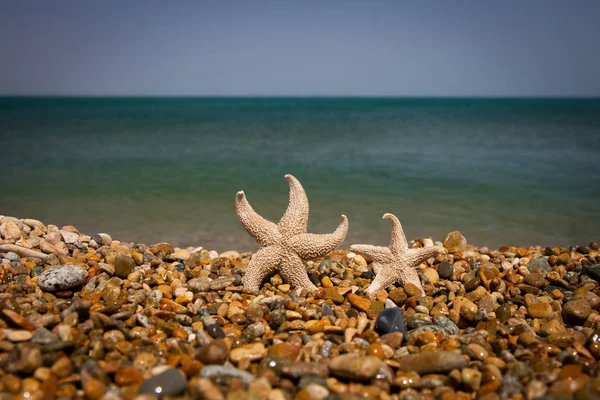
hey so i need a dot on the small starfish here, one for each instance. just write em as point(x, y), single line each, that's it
point(398, 261)
point(285, 245)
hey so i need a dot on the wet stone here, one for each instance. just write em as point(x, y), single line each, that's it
point(578, 309)
point(168, 383)
point(215, 331)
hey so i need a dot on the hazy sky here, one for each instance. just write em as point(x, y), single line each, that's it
point(254, 47)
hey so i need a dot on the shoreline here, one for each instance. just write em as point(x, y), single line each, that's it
point(86, 316)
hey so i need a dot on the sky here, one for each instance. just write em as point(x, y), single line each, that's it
point(304, 48)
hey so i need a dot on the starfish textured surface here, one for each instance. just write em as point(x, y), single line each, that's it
point(399, 263)
point(285, 245)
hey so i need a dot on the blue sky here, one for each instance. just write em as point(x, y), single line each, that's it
point(390, 48)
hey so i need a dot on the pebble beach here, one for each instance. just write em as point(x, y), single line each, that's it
point(86, 316)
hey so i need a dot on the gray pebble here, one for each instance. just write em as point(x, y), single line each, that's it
point(12, 256)
point(63, 277)
point(168, 383)
point(446, 323)
point(213, 371)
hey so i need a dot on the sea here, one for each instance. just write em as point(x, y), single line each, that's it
point(512, 172)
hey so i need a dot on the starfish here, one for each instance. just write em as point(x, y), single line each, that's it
point(286, 245)
point(398, 261)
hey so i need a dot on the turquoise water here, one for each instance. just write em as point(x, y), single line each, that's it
point(510, 171)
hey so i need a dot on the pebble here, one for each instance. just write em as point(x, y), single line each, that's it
point(123, 266)
point(299, 369)
point(215, 331)
point(360, 303)
point(455, 242)
point(18, 335)
point(494, 324)
point(215, 352)
point(541, 310)
point(352, 366)
point(577, 309)
point(390, 320)
point(168, 383)
point(252, 351)
point(431, 275)
point(477, 352)
point(64, 277)
point(432, 362)
point(215, 371)
point(445, 270)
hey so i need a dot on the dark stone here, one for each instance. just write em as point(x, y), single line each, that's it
point(326, 311)
point(97, 238)
point(593, 271)
point(215, 331)
point(180, 267)
point(367, 275)
point(390, 320)
point(314, 278)
point(445, 270)
point(168, 383)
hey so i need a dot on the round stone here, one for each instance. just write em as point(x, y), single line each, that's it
point(503, 313)
point(445, 270)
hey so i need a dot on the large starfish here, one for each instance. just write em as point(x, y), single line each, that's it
point(399, 263)
point(285, 245)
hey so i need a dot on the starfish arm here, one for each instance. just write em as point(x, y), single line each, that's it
point(264, 232)
point(384, 278)
point(376, 253)
point(294, 272)
point(422, 254)
point(398, 243)
point(312, 245)
point(295, 219)
point(263, 263)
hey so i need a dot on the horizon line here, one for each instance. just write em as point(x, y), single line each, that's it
point(294, 96)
